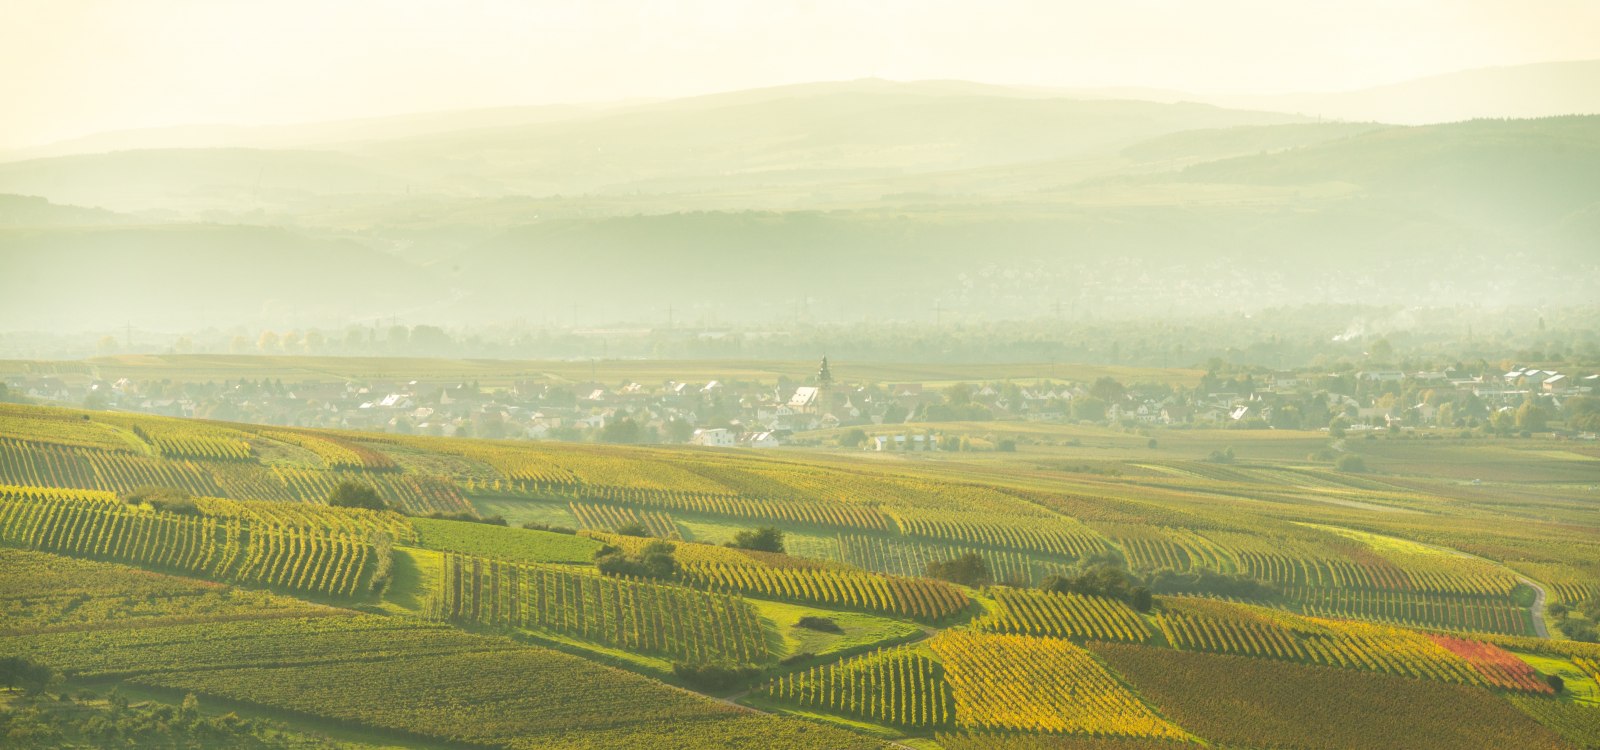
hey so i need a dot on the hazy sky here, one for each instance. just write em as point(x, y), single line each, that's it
point(73, 67)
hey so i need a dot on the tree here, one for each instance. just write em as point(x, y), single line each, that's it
point(1555, 682)
point(853, 438)
point(1381, 351)
point(31, 677)
point(959, 394)
point(1205, 581)
point(1099, 579)
point(1582, 413)
point(970, 569)
point(763, 539)
point(348, 494)
point(623, 430)
point(1107, 389)
point(1006, 445)
point(1531, 417)
point(679, 431)
point(655, 560)
point(1088, 409)
point(1141, 599)
point(633, 528)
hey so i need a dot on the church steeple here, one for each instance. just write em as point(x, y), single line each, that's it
point(824, 375)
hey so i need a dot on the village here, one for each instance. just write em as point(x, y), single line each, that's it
point(893, 416)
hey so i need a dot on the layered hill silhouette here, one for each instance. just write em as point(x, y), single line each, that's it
point(840, 201)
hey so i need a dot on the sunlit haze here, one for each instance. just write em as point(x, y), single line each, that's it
point(72, 67)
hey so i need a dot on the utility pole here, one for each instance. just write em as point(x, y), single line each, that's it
point(938, 315)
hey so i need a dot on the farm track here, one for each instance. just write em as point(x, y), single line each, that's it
point(1537, 608)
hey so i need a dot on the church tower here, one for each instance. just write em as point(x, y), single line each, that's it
point(824, 388)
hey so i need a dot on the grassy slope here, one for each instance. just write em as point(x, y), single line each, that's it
point(503, 543)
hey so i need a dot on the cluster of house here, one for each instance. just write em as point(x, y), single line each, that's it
point(720, 413)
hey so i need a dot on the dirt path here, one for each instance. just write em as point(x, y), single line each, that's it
point(1537, 608)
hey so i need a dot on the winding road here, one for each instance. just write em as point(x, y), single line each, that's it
point(1537, 608)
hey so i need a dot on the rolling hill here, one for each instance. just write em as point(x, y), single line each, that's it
point(833, 202)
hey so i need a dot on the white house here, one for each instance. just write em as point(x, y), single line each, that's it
point(714, 437)
point(761, 440)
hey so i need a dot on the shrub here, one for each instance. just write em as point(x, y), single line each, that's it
point(819, 624)
point(1350, 463)
point(1103, 579)
point(1205, 581)
point(969, 569)
point(654, 561)
point(1006, 445)
point(349, 494)
point(168, 499)
point(468, 517)
point(764, 539)
point(537, 526)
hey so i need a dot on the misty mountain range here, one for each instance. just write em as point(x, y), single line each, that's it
point(862, 200)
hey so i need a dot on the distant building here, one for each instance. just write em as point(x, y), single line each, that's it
point(714, 437)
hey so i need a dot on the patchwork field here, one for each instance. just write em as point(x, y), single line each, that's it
point(1007, 600)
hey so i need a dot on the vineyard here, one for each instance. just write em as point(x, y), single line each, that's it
point(917, 598)
point(612, 517)
point(334, 453)
point(1303, 624)
point(899, 686)
point(97, 525)
point(1499, 668)
point(194, 442)
point(41, 592)
point(681, 623)
point(1199, 625)
point(1471, 614)
point(1261, 703)
point(1075, 616)
point(1040, 685)
point(425, 679)
point(906, 557)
